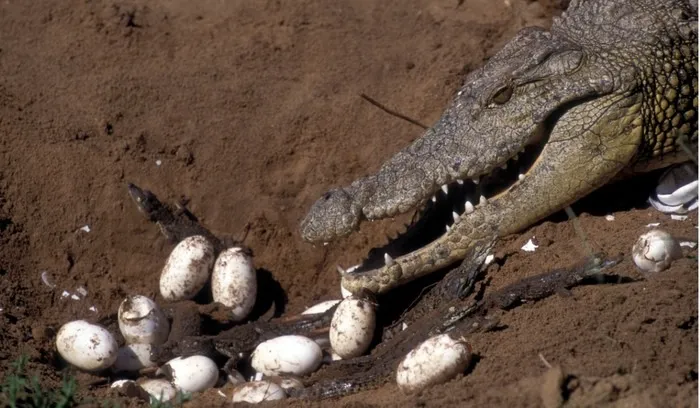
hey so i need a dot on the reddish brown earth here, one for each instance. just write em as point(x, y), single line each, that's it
point(253, 111)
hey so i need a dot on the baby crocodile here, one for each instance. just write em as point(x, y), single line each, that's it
point(610, 89)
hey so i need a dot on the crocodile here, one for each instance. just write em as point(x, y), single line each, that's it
point(610, 90)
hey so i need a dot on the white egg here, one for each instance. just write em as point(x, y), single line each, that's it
point(234, 283)
point(133, 357)
point(655, 250)
point(435, 361)
point(258, 391)
point(87, 346)
point(352, 327)
point(191, 374)
point(159, 389)
point(142, 321)
point(321, 307)
point(297, 355)
point(187, 269)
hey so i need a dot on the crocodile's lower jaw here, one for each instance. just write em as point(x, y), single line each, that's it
point(464, 205)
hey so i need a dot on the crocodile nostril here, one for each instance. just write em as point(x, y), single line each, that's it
point(327, 196)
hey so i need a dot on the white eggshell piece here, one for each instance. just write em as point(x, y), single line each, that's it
point(87, 346)
point(296, 355)
point(234, 283)
point(321, 307)
point(133, 357)
point(655, 250)
point(187, 269)
point(678, 185)
point(258, 391)
point(344, 292)
point(192, 374)
point(435, 361)
point(352, 327)
point(121, 383)
point(159, 389)
point(142, 321)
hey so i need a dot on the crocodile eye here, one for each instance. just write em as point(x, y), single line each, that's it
point(502, 96)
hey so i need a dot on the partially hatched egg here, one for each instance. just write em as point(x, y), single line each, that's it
point(258, 391)
point(191, 374)
point(352, 327)
point(677, 191)
point(87, 346)
point(142, 321)
point(297, 355)
point(187, 269)
point(435, 361)
point(655, 250)
point(133, 357)
point(233, 282)
point(159, 389)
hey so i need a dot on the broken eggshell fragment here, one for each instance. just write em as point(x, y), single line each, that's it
point(191, 374)
point(233, 282)
point(677, 190)
point(142, 321)
point(352, 327)
point(435, 361)
point(655, 250)
point(291, 354)
point(87, 346)
point(159, 389)
point(187, 269)
point(321, 307)
point(258, 391)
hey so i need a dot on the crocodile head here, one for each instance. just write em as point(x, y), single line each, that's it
point(550, 118)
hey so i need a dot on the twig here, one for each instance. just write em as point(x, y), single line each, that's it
point(392, 112)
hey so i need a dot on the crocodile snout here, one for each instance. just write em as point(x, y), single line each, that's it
point(333, 215)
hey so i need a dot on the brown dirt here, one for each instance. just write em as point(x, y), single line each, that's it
point(252, 110)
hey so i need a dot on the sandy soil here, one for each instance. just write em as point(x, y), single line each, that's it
point(251, 110)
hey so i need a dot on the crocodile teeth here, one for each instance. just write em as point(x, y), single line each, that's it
point(475, 180)
point(521, 176)
point(468, 207)
point(340, 269)
point(447, 228)
point(433, 198)
point(388, 260)
point(444, 188)
point(455, 216)
point(482, 200)
point(460, 182)
point(504, 166)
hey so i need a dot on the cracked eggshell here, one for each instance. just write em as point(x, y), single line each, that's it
point(435, 361)
point(191, 374)
point(655, 250)
point(159, 389)
point(187, 269)
point(87, 346)
point(292, 354)
point(234, 283)
point(352, 327)
point(133, 357)
point(258, 391)
point(142, 321)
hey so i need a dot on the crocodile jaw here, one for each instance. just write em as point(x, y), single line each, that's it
point(572, 164)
